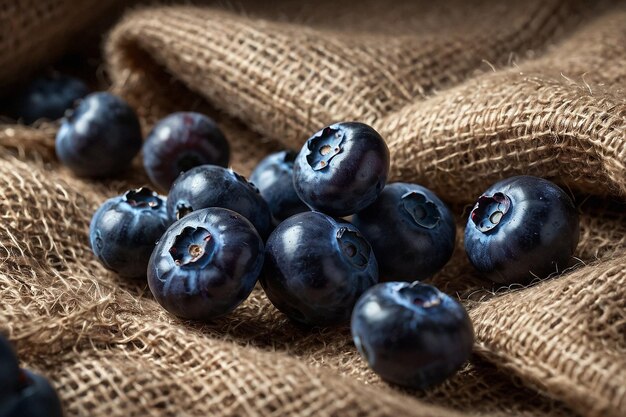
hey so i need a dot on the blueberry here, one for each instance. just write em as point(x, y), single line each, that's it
point(46, 97)
point(180, 142)
point(9, 370)
point(520, 228)
point(35, 398)
point(273, 176)
point(206, 264)
point(214, 186)
point(411, 230)
point(316, 268)
point(411, 334)
point(125, 229)
point(341, 169)
point(100, 137)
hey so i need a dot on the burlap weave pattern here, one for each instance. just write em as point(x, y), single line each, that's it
point(465, 93)
point(34, 32)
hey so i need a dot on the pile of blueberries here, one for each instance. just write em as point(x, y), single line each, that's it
point(318, 229)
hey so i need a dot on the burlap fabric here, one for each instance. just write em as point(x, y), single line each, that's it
point(465, 93)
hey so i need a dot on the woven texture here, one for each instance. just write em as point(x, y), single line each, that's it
point(465, 93)
point(34, 33)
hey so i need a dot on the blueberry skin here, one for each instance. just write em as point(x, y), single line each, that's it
point(411, 334)
point(206, 264)
point(214, 186)
point(341, 169)
point(273, 176)
point(520, 228)
point(180, 142)
point(411, 230)
point(46, 97)
point(100, 138)
point(36, 398)
point(125, 229)
point(9, 370)
point(316, 267)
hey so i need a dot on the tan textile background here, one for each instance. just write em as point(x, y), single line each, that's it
point(465, 93)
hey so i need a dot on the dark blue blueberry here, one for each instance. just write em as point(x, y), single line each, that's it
point(341, 169)
point(316, 268)
point(35, 398)
point(520, 228)
point(411, 231)
point(206, 264)
point(214, 186)
point(100, 137)
point(46, 97)
point(125, 229)
point(412, 334)
point(9, 370)
point(274, 179)
point(182, 141)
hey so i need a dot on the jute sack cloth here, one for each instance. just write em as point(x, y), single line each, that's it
point(465, 93)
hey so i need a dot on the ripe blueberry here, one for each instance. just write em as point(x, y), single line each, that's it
point(411, 230)
point(342, 168)
point(273, 176)
point(316, 268)
point(9, 370)
point(180, 142)
point(100, 137)
point(206, 264)
point(520, 228)
point(411, 334)
point(124, 230)
point(214, 186)
point(35, 398)
point(46, 97)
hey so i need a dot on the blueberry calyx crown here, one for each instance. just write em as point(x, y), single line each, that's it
point(489, 211)
point(354, 247)
point(425, 297)
point(243, 180)
point(98, 240)
point(324, 147)
point(423, 211)
point(143, 197)
point(290, 157)
point(182, 209)
point(193, 247)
